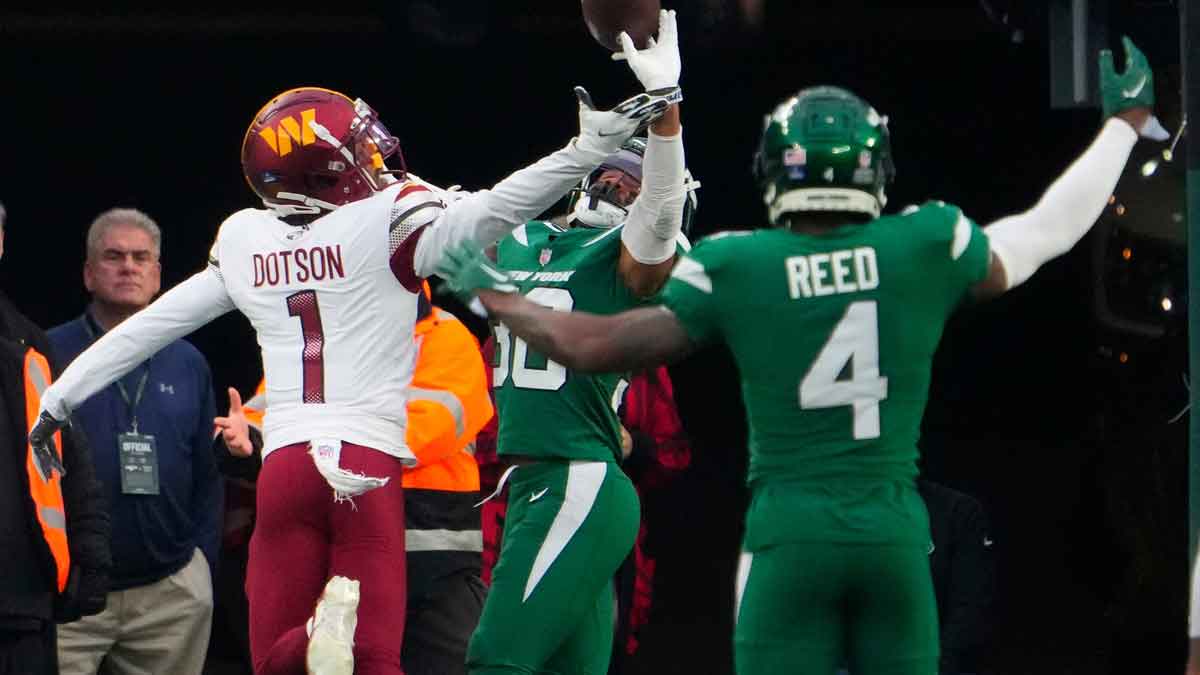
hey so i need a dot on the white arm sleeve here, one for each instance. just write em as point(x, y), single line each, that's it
point(656, 216)
point(179, 311)
point(486, 216)
point(1026, 241)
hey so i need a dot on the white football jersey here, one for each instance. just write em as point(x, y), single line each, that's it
point(333, 318)
point(333, 303)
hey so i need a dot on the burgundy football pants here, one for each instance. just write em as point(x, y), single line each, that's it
point(302, 538)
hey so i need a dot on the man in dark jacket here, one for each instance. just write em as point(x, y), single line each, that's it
point(150, 435)
point(46, 574)
point(962, 563)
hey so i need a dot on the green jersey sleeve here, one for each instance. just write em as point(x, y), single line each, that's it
point(953, 243)
point(697, 285)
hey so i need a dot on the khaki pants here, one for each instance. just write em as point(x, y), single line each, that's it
point(155, 629)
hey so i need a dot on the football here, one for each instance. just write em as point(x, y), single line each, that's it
point(607, 18)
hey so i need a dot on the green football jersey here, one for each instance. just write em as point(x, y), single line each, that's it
point(834, 337)
point(544, 409)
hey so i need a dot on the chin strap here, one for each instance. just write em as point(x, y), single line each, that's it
point(592, 211)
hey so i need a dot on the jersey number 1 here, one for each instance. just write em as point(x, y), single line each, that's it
point(516, 351)
point(854, 347)
point(303, 304)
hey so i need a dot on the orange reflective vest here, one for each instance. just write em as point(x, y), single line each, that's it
point(46, 490)
point(448, 403)
point(254, 408)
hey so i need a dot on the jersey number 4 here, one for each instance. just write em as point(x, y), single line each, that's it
point(846, 372)
point(516, 352)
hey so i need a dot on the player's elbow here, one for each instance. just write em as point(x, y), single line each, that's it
point(646, 280)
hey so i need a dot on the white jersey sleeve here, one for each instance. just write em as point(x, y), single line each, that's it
point(1068, 209)
point(181, 310)
point(486, 216)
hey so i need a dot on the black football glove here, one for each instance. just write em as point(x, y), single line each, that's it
point(44, 450)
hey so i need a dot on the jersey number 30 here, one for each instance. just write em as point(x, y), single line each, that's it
point(515, 351)
point(852, 348)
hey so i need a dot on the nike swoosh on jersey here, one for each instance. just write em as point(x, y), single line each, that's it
point(538, 495)
point(1132, 93)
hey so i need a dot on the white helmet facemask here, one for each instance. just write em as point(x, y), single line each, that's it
point(593, 211)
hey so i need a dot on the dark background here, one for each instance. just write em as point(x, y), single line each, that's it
point(1048, 405)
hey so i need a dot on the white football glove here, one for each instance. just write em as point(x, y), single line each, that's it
point(657, 67)
point(605, 131)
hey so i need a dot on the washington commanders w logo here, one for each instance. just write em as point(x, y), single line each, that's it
point(290, 131)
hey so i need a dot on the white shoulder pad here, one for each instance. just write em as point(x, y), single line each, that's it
point(414, 207)
point(228, 231)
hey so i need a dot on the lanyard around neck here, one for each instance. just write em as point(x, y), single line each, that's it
point(93, 330)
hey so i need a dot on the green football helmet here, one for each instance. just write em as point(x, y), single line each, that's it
point(824, 149)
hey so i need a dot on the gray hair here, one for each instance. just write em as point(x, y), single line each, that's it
point(113, 217)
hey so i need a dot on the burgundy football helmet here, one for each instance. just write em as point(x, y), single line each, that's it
point(311, 150)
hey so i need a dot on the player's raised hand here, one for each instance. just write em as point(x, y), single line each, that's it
point(466, 270)
point(658, 66)
point(605, 131)
point(234, 428)
point(1130, 95)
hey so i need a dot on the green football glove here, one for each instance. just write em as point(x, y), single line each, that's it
point(465, 269)
point(1132, 89)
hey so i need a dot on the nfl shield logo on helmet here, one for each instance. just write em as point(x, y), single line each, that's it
point(864, 159)
point(544, 256)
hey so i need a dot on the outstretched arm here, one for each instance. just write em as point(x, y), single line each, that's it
point(591, 343)
point(484, 217)
point(650, 237)
point(181, 310)
point(1024, 242)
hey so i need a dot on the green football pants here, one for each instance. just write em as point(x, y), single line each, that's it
point(550, 608)
point(809, 608)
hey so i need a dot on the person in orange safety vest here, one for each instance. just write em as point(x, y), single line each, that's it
point(54, 523)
